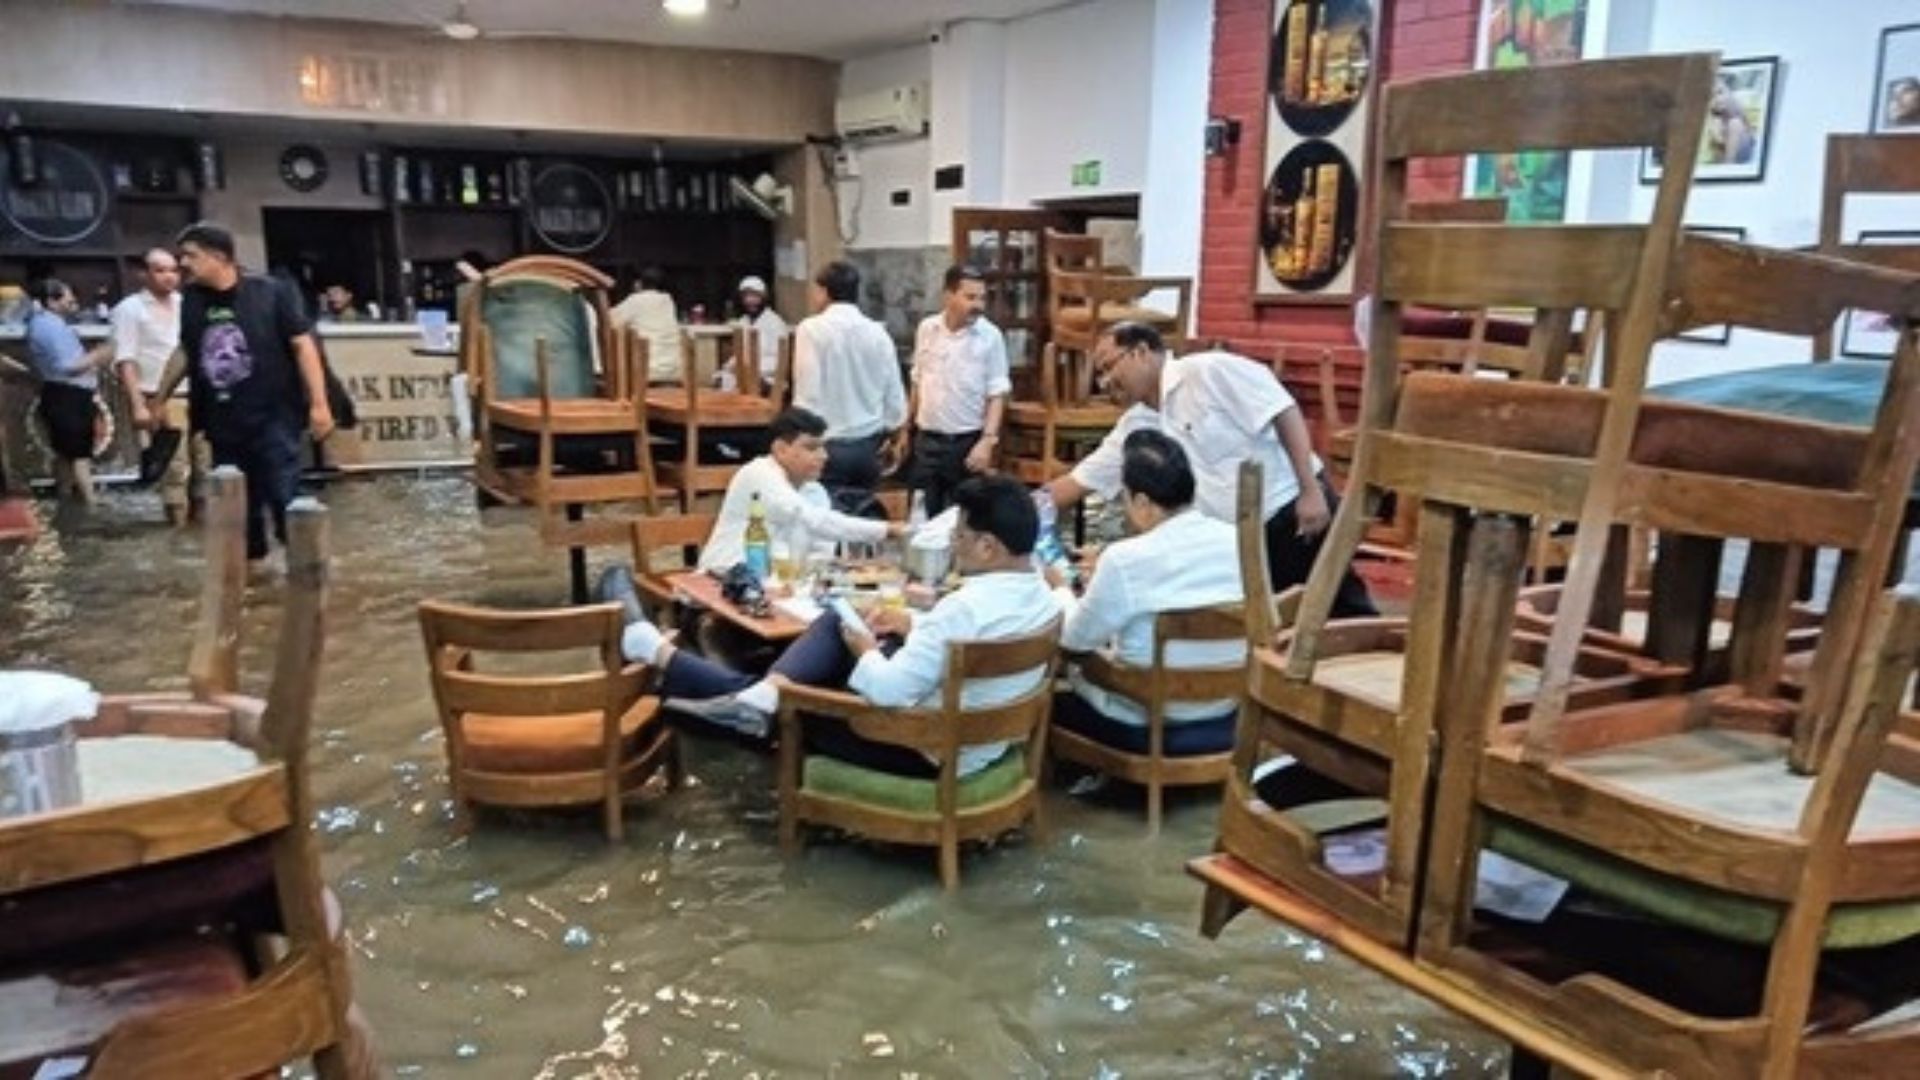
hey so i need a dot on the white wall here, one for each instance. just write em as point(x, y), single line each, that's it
point(1172, 197)
point(890, 166)
point(1079, 88)
point(1827, 53)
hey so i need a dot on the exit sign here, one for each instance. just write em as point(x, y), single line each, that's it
point(1086, 173)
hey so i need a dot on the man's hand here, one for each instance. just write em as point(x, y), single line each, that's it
point(320, 422)
point(141, 415)
point(893, 452)
point(980, 458)
point(1310, 512)
point(857, 643)
point(1056, 578)
point(890, 621)
point(896, 530)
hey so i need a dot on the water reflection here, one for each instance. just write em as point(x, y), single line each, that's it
point(533, 948)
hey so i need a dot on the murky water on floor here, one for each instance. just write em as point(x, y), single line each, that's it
point(532, 947)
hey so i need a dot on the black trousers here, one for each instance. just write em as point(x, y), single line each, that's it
point(940, 465)
point(1290, 560)
point(853, 471)
point(269, 457)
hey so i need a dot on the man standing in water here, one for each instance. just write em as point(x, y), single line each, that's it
point(146, 331)
point(1221, 409)
point(257, 379)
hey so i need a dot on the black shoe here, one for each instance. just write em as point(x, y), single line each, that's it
point(616, 585)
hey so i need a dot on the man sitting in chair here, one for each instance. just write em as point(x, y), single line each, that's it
point(787, 480)
point(1001, 597)
point(1178, 559)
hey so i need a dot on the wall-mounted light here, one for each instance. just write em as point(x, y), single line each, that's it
point(685, 8)
point(1223, 132)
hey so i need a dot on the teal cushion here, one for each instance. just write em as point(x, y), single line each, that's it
point(822, 775)
point(520, 313)
point(1692, 905)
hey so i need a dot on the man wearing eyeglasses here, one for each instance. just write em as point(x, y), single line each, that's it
point(1222, 409)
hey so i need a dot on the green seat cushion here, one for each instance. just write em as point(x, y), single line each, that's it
point(823, 775)
point(520, 314)
point(1692, 905)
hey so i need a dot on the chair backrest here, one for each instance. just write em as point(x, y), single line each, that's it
point(680, 533)
point(213, 665)
point(1260, 622)
point(1220, 622)
point(530, 300)
point(453, 633)
point(1865, 165)
point(1072, 252)
point(944, 730)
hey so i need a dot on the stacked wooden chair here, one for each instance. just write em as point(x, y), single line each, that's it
point(940, 813)
point(684, 412)
point(552, 431)
point(1715, 810)
point(189, 933)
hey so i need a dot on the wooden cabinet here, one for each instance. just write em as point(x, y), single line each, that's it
point(1009, 246)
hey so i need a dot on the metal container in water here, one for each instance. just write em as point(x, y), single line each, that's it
point(39, 770)
point(928, 563)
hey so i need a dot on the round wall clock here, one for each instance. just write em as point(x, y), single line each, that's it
point(304, 168)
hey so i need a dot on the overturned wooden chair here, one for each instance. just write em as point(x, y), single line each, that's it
point(226, 955)
point(940, 813)
point(685, 412)
point(1154, 688)
point(1356, 701)
point(585, 737)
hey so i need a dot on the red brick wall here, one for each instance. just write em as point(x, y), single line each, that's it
point(1418, 37)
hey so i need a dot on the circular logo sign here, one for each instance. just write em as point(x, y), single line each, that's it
point(67, 205)
point(570, 209)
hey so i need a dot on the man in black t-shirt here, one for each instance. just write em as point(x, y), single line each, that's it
point(248, 346)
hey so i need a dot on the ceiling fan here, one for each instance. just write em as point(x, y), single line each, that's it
point(459, 27)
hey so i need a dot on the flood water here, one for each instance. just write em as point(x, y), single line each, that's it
point(534, 948)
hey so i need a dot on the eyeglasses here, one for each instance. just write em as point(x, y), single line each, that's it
point(1109, 360)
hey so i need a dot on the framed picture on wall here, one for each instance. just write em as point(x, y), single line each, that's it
point(1739, 125)
point(1871, 335)
point(1896, 82)
point(1722, 334)
point(1517, 34)
point(1320, 90)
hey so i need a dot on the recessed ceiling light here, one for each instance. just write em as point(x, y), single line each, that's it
point(685, 8)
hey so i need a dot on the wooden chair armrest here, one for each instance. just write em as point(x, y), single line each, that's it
point(1107, 673)
point(840, 704)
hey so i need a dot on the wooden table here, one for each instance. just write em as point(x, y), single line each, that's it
point(702, 590)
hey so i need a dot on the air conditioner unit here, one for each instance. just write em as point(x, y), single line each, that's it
point(894, 113)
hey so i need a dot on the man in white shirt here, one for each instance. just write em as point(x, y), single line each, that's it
point(1002, 597)
point(146, 330)
point(797, 508)
point(765, 322)
point(960, 387)
point(846, 370)
point(650, 311)
point(1222, 409)
point(1177, 559)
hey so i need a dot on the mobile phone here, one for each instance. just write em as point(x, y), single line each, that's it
point(848, 617)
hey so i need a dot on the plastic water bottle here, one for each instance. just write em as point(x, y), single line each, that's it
point(1047, 548)
point(917, 512)
point(758, 542)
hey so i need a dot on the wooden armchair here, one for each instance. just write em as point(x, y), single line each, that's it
point(680, 535)
point(1154, 688)
point(544, 740)
point(936, 813)
point(529, 347)
point(1085, 299)
point(185, 876)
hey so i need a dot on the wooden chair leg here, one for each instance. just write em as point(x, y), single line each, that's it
point(611, 808)
point(950, 862)
point(676, 763)
point(1217, 909)
point(1154, 793)
point(1037, 820)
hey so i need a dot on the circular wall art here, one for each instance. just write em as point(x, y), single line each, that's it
point(1321, 62)
point(67, 205)
point(1308, 216)
point(304, 168)
point(570, 209)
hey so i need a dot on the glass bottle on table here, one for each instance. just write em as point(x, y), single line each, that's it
point(758, 542)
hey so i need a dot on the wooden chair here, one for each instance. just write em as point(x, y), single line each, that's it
point(935, 813)
point(1048, 435)
point(1356, 702)
point(1154, 688)
point(680, 535)
point(1864, 165)
point(544, 740)
point(699, 408)
point(1085, 299)
point(528, 349)
point(180, 880)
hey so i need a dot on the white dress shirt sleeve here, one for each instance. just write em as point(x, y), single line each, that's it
point(999, 373)
point(786, 507)
point(893, 407)
point(1248, 393)
point(916, 668)
point(126, 332)
point(1099, 471)
point(1098, 617)
point(806, 368)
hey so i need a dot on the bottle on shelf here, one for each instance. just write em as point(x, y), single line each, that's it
point(469, 186)
point(758, 551)
point(1303, 212)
